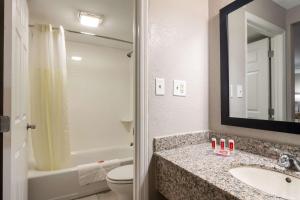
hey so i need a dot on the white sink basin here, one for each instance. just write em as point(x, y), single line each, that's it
point(271, 182)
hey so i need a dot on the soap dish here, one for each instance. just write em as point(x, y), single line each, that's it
point(221, 152)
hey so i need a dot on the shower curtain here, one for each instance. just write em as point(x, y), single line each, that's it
point(48, 103)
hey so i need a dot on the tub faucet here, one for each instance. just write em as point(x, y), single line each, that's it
point(289, 161)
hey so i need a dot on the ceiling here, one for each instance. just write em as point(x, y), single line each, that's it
point(287, 4)
point(118, 17)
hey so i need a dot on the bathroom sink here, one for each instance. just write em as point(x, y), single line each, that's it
point(273, 183)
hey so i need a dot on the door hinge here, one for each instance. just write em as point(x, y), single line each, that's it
point(4, 124)
point(271, 53)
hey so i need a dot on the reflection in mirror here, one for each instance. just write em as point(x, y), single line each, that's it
point(264, 60)
point(296, 52)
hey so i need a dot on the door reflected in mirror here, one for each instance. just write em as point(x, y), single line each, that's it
point(264, 61)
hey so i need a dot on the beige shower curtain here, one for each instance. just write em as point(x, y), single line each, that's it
point(48, 108)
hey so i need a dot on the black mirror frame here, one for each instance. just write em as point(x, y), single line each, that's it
point(279, 126)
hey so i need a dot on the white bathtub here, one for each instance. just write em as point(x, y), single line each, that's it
point(63, 184)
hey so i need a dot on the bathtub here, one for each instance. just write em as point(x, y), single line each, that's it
point(63, 184)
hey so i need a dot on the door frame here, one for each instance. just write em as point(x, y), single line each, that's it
point(1, 89)
point(141, 155)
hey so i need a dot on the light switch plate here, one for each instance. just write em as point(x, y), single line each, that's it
point(179, 88)
point(159, 86)
point(239, 91)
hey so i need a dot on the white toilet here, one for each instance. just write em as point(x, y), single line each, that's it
point(120, 181)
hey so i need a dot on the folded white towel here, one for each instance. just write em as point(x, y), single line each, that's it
point(93, 172)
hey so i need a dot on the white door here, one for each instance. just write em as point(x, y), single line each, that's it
point(15, 99)
point(257, 80)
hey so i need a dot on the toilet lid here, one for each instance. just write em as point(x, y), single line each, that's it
point(124, 173)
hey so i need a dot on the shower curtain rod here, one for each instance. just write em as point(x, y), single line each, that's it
point(92, 34)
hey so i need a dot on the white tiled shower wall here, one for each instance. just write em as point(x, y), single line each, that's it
point(99, 96)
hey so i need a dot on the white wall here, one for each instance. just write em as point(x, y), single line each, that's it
point(99, 96)
point(178, 49)
point(214, 86)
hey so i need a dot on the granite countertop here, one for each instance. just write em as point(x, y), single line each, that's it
point(203, 164)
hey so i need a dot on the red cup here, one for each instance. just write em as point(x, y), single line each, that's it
point(213, 143)
point(231, 145)
point(222, 144)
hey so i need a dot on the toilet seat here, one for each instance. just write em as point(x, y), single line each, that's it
point(121, 175)
point(119, 182)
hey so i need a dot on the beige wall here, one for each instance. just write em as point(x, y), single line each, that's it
point(214, 86)
point(261, 9)
point(237, 45)
point(178, 49)
point(293, 15)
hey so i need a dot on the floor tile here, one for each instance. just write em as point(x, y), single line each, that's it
point(102, 196)
point(107, 196)
point(94, 197)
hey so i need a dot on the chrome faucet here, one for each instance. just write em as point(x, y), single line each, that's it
point(289, 161)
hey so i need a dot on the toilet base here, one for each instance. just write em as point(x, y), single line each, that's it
point(122, 191)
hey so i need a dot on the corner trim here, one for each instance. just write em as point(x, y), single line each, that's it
point(141, 154)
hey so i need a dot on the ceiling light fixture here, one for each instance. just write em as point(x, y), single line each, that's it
point(89, 19)
point(76, 58)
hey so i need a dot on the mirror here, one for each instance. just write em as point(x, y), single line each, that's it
point(260, 63)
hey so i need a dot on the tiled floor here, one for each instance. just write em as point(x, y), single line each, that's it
point(102, 196)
